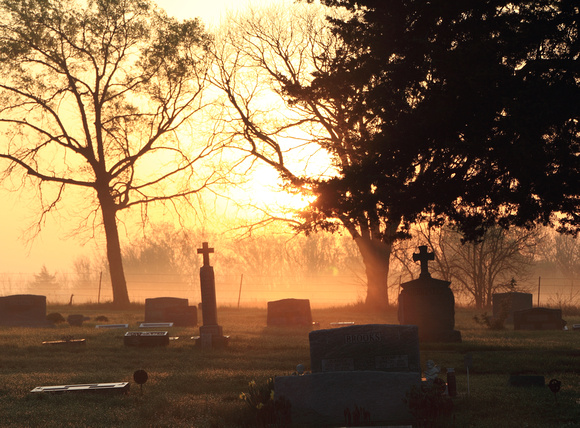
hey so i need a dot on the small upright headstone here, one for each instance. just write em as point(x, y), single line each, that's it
point(369, 367)
point(23, 310)
point(170, 309)
point(505, 304)
point(429, 304)
point(76, 320)
point(289, 312)
point(211, 333)
point(539, 319)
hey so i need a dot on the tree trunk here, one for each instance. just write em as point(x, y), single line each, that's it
point(118, 282)
point(376, 256)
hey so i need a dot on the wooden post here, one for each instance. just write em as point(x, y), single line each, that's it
point(100, 282)
point(240, 292)
point(539, 283)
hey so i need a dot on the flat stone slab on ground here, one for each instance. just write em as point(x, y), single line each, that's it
point(146, 338)
point(113, 387)
point(321, 399)
point(65, 342)
point(112, 326)
point(155, 325)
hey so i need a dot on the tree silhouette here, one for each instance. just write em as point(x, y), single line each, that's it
point(457, 111)
point(91, 96)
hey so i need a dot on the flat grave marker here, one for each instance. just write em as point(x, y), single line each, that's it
point(112, 326)
point(155, 325)
point(146, 338)
point(111, 388)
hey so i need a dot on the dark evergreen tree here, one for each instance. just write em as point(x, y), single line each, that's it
point(462, 110)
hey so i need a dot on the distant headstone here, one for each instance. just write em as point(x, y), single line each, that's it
point(376, 347)
point(505, 304)
point(539, 319)
point(76, 320)
point(289, 312)
point(23, 310)
point(429, 304)
point(369, 366)
point(113, 387)
point(170, 309)
point(210, 333)
point(146, 338)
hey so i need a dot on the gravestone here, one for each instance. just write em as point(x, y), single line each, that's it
point(429, 304)
point(369, 367)
point(211, 333)
point(539, 319)
point(170, 309)
point(76, 320)
point(110, 326)
point(65, 341)
point(376, 347)
point(155, 325)
point(146, 338)
point(109, 388)
point(23, 310)
point(505, 304)
point(289, 312)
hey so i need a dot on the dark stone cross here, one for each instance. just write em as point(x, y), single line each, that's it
point(205, 250)
point(211, 334)
point(423, 256)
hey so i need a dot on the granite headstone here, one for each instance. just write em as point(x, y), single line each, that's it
point(23, 310)
point(539, 319)
point(369, 367)
point(289, 312)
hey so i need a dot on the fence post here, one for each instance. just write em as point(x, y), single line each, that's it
point(100, 281)
point(539, 283)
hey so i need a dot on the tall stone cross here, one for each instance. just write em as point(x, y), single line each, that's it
point(205, 250)
point(424, 256)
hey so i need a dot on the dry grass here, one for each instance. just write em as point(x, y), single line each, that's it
point(189, 387)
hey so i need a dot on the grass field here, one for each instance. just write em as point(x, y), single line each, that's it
point(188, 387)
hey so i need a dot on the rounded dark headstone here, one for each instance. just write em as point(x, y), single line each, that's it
point(140, 377)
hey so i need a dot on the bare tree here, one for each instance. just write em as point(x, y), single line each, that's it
point(258, 57)
point(563, 252)
point(480, 269)
point(91, 96)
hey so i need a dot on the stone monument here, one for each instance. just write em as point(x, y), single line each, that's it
point(23, 310)
point(505, 304)
point(289, 312)
point(366, 368)
point(210, 333)
point(170, 309)
point(429, 304)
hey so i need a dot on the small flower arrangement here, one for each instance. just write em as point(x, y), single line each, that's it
point(268, 412)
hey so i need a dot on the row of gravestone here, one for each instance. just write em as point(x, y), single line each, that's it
point(29, 310)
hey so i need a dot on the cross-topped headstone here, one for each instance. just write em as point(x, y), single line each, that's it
point(210, 332)
point(205, 250)
point(424, 256)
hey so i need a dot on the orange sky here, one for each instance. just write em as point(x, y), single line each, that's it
point(52, 247)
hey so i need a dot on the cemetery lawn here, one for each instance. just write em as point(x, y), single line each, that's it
point(188, 387)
